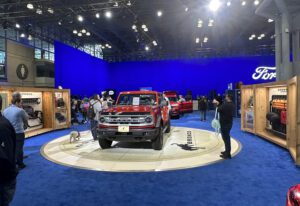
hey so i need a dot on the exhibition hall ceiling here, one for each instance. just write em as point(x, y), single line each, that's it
point(147, 29)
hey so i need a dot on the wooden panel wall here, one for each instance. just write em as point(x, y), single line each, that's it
point(261, 108)
point(48, 110)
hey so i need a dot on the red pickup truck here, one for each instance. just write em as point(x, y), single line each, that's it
point(178, 107)
point(138, 116)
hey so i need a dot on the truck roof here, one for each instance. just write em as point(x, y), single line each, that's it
point(139, 92)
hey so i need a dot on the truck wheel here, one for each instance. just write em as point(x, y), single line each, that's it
point(104, 143)
point(157, 144)
point(168, 127)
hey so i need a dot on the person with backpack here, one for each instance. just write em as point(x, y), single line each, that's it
point(94, 114)
point(8, 170)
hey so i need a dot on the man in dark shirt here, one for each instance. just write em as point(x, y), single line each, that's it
point(8, 171)
point(226, 111)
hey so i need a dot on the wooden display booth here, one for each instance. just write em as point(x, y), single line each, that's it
point(270, 111)
point(41, 106)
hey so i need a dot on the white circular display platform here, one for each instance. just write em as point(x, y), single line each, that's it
point(183, 148)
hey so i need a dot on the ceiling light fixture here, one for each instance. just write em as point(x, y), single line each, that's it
point(250, 38)
point(243, 3)
point(197, 40)
point(186, 9)
point(29, 37)
point(22, 35)
point(108, 14)
point(88, 33)
point(116, 4)
point(30, 6)
point(79, 34)
point(262, 35)
point(147, 48)
point(80, 18)
point(107, 45)
point(133, 27)
point(146, 29)
point(159, 13)
point(256, 2)
point(59, 23)
point(154, 43)
point(270, 20)
point(75, 31)
point(205, 39)
point(39, 11)
point(144, 26)
point(253, 35)
point(259, 38)
point(50, 10)
point(97, 15)
point(228, 3)
point(214, 5)
point(18, 26)
point(128, 3)
point(83, 31)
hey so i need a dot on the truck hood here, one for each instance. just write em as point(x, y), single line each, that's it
point(125, 110)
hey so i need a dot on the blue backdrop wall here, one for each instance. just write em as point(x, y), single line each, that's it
point(198, 75)
point(79, 71)
point(86, 75)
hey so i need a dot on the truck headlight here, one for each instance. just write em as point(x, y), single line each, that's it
point(148, 119)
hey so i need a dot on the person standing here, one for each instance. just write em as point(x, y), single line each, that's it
point(19, 120)
point(8, 171)
point(226, 111)
point(203, 108)
point(97, 108)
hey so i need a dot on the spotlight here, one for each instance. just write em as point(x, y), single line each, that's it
point(262, 35)
point(29, 37)
point(30, 6)
point(228, 3)
point(250, 38)
point(159, 13)
point(80, 18)
point(144, 26)
point(154, 43)
point(197, 40)
point(147, 48)
point(133, 27)
point(22, 35)
point(256, 2)
point(97, 15)
point(214, 5)
point(59, 23)
point(108, 14)
point(146, 29)
point(75, 31)
point(243, 3)
point(107, 45)
point(18, 26)
point(128, 3)
point(186, 9)
point(88, 33)
point(205, 39)
point(83, 31)
point(39, 11)
point(116, 4)
point(253, 35)
point(259, 38)
point(270, 20)
point(50, 10)
point(79, 34)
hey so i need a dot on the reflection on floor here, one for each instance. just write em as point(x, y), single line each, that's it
point(259, 175)
point(183, 148)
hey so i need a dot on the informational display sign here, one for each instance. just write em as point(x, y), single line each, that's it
point(136, 101)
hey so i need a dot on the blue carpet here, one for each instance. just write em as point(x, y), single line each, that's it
point(259, 175)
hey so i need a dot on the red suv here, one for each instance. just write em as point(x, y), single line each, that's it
point(138, 116)
point(178, 107)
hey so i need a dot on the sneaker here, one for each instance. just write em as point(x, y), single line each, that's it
point(22, 166)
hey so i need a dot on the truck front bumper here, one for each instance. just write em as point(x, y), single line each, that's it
point(134, 135)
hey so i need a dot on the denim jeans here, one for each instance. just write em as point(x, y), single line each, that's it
point(20, 138)
point(94, 125)
point(7, 192)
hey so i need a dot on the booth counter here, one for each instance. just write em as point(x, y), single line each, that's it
point(270, 111)
point(47, 109)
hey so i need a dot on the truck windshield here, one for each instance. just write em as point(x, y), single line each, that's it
point(173, 99)
point(137, 99)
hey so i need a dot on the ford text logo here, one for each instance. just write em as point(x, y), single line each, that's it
point(264, 73)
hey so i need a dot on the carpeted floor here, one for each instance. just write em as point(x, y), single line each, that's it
point(259, 175)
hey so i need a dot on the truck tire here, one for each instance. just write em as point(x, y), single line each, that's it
point(168, 127)
point(157, 144)
point(104, 143)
